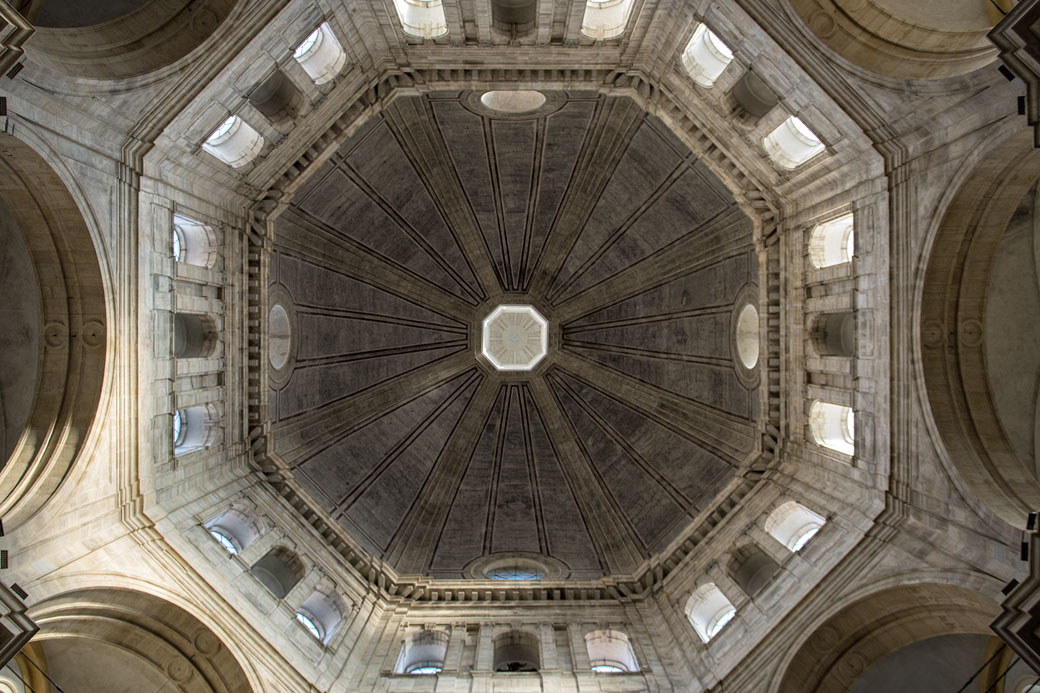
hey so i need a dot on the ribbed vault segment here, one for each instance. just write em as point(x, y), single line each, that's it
point(431, 214)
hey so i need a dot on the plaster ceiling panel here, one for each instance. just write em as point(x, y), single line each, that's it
point(565, 134)
point(514, 146)
point(515, 527)
point(388, 175)
point(381, 500)
point(464, 137)
point(647, 504)
point(683, 206)
point(648, 164)
point(343, 205)
point(680, 461)
point(334, 473)
point(463, 539)
point(713, 286)
point(432, 458)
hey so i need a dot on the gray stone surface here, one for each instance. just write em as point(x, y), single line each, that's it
point(20, 336)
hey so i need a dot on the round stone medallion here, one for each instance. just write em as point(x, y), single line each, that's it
point(514, 338)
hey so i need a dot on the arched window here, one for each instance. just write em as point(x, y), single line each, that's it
point(512, 101)
point(516, 650)
point(752, 569)
point(194, 428)
point(422, 653)
point(193, 242)
point(709, 611)
point(321, 55)
point(321, 614)
point(194, 335)
point(605, 19)
point(234, 142)
point(833, 426)
point(747, 336)
point(279, 571)
point(422, 18)
point(610, 652)
point(834, 334)
point(831, 243)
point(706, 57)
point(793, 525)
point(234, 529)
point(792, 143)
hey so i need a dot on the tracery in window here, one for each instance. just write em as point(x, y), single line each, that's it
point(235, 142)
point(610, 652)
point(833, 426)
point(792, 143)
point(706, 56)
point(422, 18)
point(321, 55)
point(793, 525)
point(422, 653)
point(605, 19)
point(831, 243)
point(192, 242)
point(708, 610)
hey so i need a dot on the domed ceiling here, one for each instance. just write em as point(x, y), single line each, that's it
point(432, 215)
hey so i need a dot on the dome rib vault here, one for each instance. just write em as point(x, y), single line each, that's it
point(431, 217)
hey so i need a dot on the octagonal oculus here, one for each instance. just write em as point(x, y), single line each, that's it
point(514, 338)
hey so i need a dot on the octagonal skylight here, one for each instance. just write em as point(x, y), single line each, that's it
point(515, 338)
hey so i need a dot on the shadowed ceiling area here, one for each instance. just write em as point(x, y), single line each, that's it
point(424, 221)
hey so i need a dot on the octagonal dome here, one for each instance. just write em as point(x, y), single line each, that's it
point(434, 213)
point(514, 338)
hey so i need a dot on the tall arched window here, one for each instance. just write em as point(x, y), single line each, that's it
point(422, 18)
point(610, 652)
point(235, 142)
point(706, 57)
point(193, 242)
point(194, 428)
point(792, 143)
point(422, 653)
point(321, 55)
point(833, 426)
point(234, 529)
point(709, 611)
point(321, 615)
point(605, 19)
point(279, 571)
point(793, 525)
point(831, 243)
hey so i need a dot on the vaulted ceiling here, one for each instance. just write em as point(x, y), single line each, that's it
point(436, 211)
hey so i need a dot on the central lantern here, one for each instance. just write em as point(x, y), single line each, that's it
point(514, 338)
